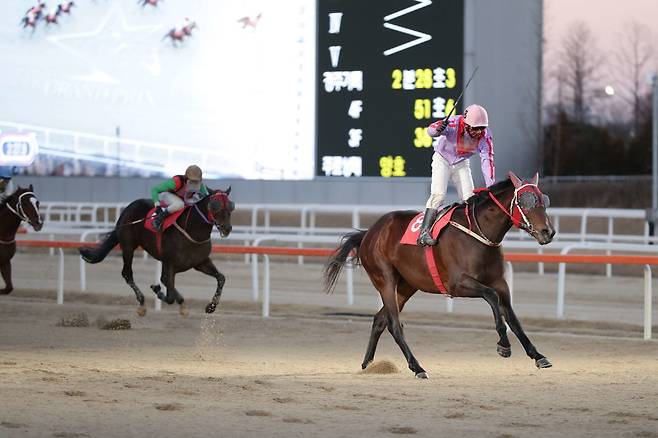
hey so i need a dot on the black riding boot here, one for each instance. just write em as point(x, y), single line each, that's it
point(160, 215)
point(425, 237)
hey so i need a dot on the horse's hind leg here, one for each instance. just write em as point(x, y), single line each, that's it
point(5, 269)
point(168, 279)
point(209, 268)
point(385, 279)
point(127, 273)
point(469, 287)
point(404, 292)
point(506, 306)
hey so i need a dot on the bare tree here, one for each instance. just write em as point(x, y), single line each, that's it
point(633, 56)
point(579, 61)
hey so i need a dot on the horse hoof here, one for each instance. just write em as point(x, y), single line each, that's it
point(141, 311)
point(156, 288)
point(504, 351)
point(364, 365)
point(543, 363)
point(422, 375)
point(183, 310)
point(210, 308)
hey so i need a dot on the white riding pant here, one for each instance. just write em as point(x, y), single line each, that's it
point(460, 173)
point(173, 202)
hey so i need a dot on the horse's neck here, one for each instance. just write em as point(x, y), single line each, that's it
point(493, 221)
point(9, 224)
point(198, 228)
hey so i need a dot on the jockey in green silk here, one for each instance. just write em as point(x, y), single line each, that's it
point(176, 193)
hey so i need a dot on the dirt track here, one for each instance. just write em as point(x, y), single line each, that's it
point(298, 374)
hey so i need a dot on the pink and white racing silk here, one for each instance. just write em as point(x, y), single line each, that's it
point(455, 145)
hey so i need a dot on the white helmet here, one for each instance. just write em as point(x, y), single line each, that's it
point(476, 116)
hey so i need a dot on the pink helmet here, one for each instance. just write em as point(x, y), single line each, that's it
point(476, 116)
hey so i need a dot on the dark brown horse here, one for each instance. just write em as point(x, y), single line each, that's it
point(22, 205)
point(184, 246)
point(469, 261)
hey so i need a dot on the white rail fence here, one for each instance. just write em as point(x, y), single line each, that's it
point(102, 215)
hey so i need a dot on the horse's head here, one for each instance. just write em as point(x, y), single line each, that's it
point(219, 210)
point(528, 209)
point(24, 204)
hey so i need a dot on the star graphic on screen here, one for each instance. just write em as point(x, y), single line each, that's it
point(112, 48)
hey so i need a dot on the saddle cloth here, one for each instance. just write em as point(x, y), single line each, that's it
point(169, 220)
point(413, 229)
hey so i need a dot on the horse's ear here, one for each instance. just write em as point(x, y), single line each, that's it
point(535, 179)
point(31, 188)
point(515, 179)
point(228, 191)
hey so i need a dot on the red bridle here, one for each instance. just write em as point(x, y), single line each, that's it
point(223, 198)
point(515, 212)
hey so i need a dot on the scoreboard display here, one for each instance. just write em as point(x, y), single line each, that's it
point(385, 71)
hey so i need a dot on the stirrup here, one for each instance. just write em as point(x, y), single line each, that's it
point(158, 221)
point(425, 239)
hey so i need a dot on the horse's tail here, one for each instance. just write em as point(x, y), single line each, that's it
point(96, 254)
point(351, 241)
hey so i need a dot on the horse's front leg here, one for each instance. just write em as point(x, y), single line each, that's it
point(469, 287)
point(209, 268)
point(5, 268)
point(506, 306)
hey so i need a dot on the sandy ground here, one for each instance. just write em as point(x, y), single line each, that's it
point(298, 374)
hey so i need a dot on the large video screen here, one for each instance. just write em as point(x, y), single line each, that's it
point(106, 90)
point(385, 70)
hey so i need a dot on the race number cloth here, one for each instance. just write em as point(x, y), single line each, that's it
point(410, 237)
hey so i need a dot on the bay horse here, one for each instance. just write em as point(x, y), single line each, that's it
point(22, 205)
point(469, 261)
point(183, 246)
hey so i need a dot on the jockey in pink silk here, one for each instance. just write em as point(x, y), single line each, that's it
point(459, 138)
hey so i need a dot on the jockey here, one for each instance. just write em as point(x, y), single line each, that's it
point(459, 138)
point(178, 192)
point(6, 173)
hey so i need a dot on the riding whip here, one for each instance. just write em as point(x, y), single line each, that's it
point(444, 124)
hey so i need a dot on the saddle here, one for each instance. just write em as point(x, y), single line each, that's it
point(169, 220)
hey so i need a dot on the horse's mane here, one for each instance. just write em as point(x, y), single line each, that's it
point(12, 196)
point(496, 189)
point(6, 199)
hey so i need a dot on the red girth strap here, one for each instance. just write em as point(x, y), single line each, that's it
point(434, 272)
